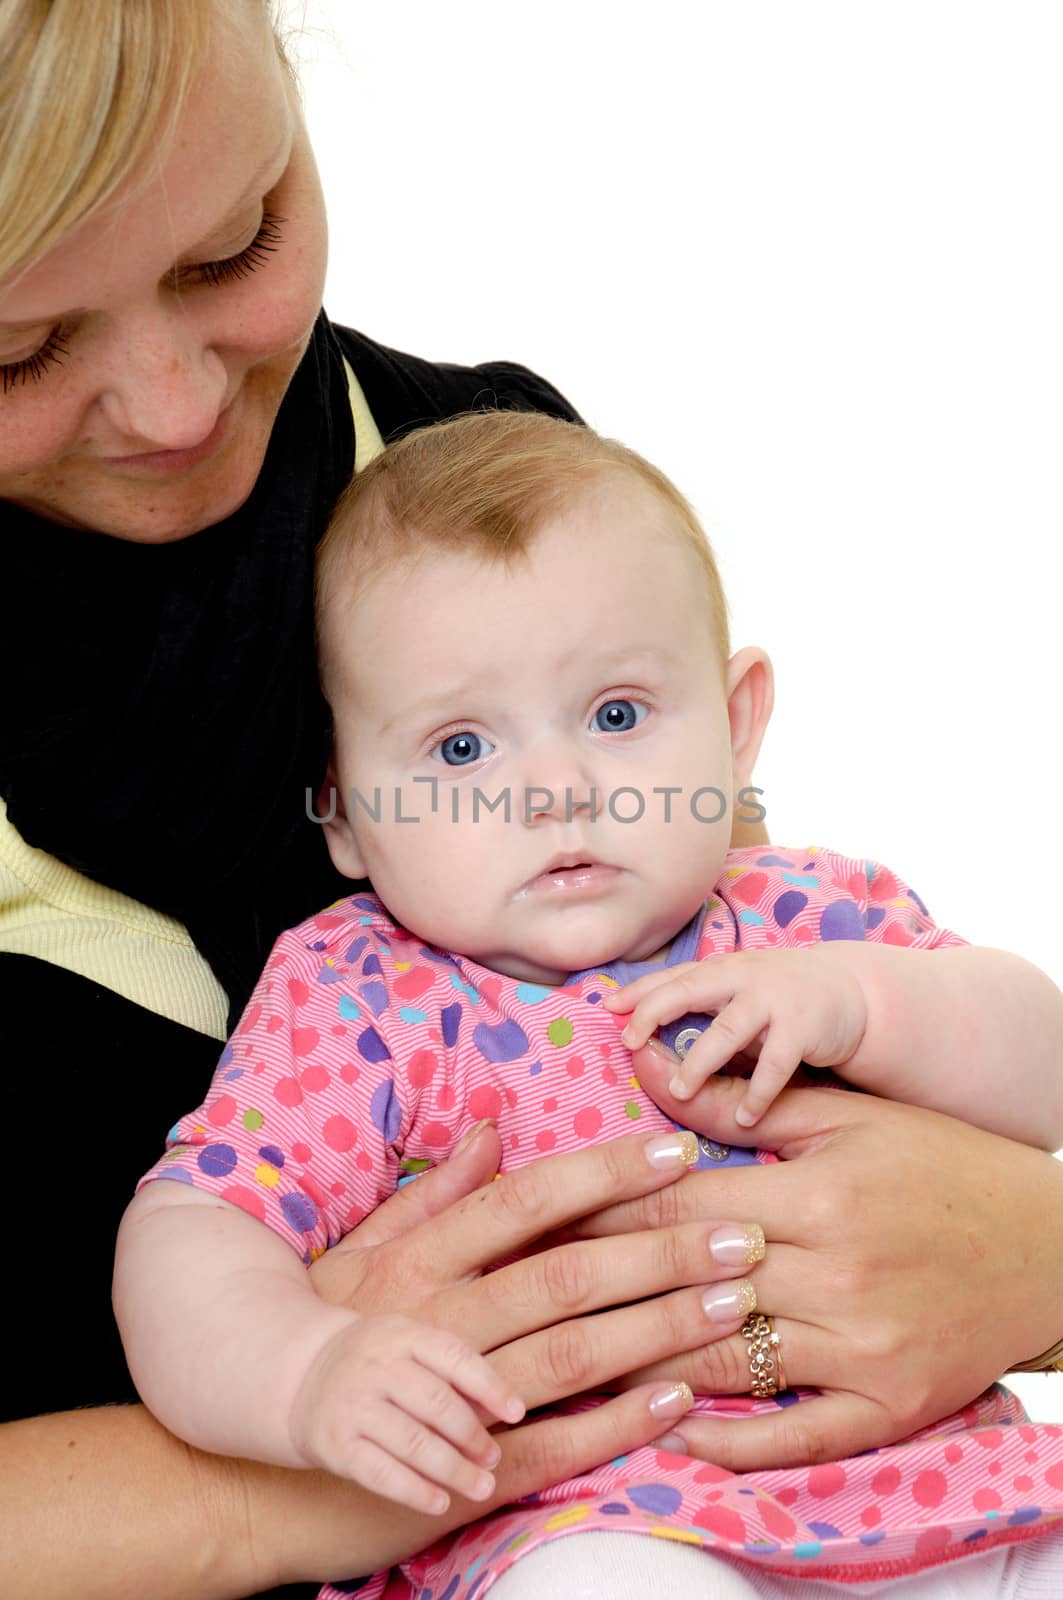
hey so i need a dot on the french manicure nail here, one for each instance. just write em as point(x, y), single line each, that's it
point(670, 1150)
point(674, 1401)
point(672, 1443)
point(729, 1302)
point(737, 1245)
point(662, 1050)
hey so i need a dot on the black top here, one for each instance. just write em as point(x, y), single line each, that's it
point(163, 719)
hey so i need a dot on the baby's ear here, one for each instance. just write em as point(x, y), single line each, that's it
point(750, 697)
point(331, 813)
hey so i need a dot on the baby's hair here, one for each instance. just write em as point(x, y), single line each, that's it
point(486, 482)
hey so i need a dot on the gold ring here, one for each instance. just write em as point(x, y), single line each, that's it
point(765, 1366)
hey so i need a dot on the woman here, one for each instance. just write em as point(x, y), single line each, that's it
point(174, 426)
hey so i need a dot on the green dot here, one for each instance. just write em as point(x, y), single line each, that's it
point(253, 1120)
point(560, 1032)
point(631, 1109)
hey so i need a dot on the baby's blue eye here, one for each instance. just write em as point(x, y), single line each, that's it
point(617, 716)
point(462, 749)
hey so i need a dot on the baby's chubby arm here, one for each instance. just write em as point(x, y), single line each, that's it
point(232, 1350)
point(972, 1032)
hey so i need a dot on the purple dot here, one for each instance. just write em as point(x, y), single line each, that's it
point(270, 1153)
point(300, 1211)
point(505, 1042)
point(873, 916)
point(225, 1057)
point(385, 1110)
point(375, 996)
point(175, 1175)
point(913, 896)
point(613, 1508)
point(842, 920)
point(371, 967)
point(371, 1046)
point(1024, 1514)
point(450, 1017)
point(217, 1160)
point(788, 905)
point(659, 1498)
point(826, 1530)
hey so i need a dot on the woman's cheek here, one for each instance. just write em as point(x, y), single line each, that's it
point(40, 424)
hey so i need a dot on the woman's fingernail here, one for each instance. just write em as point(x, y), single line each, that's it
point(670, 1150)
point(662, 1051)
point(672, 1443)
point(675, 1401)
point(737, 1245)
point(473, 1133)
point(729, 1302)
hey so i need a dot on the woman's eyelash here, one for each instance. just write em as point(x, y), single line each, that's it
point(31, 369)
point(266, 240)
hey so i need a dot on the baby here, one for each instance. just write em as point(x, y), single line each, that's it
point(540, 735)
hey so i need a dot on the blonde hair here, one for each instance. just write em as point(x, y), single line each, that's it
point(87, 89)
point(487, 482)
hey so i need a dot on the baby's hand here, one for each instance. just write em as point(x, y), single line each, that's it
point(795, 1005)
point(382, 1403)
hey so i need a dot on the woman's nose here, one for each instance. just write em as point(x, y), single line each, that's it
point(167, 385)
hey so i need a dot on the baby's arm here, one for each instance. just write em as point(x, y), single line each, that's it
point(232, 1350)
point(975, 1033)
point(972, 1032)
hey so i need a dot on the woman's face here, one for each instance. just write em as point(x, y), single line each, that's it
point(144, 358)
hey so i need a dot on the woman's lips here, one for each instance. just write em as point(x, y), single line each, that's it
point(163, 462)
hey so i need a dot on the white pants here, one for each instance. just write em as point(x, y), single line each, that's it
point(629, 1566)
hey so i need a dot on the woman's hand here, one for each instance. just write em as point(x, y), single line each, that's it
point(533, 1315)
point(911, 1260)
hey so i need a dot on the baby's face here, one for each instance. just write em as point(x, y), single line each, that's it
point(578, 684)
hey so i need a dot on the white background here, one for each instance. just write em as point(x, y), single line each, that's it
point(808, 258)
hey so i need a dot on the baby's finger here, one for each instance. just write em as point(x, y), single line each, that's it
point(451, 1358)
point(702, 988)
point(376, 1469)
point(437, 1404)
point(388, 1424)
point(779, 1060)
point(628, 997)
point(736, 1026)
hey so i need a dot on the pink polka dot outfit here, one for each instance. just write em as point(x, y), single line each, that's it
point(363, 1057)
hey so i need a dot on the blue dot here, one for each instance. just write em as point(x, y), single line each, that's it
point(807, 1550)
point(530, 994)
point(411, 1014)
point(348, 1008)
